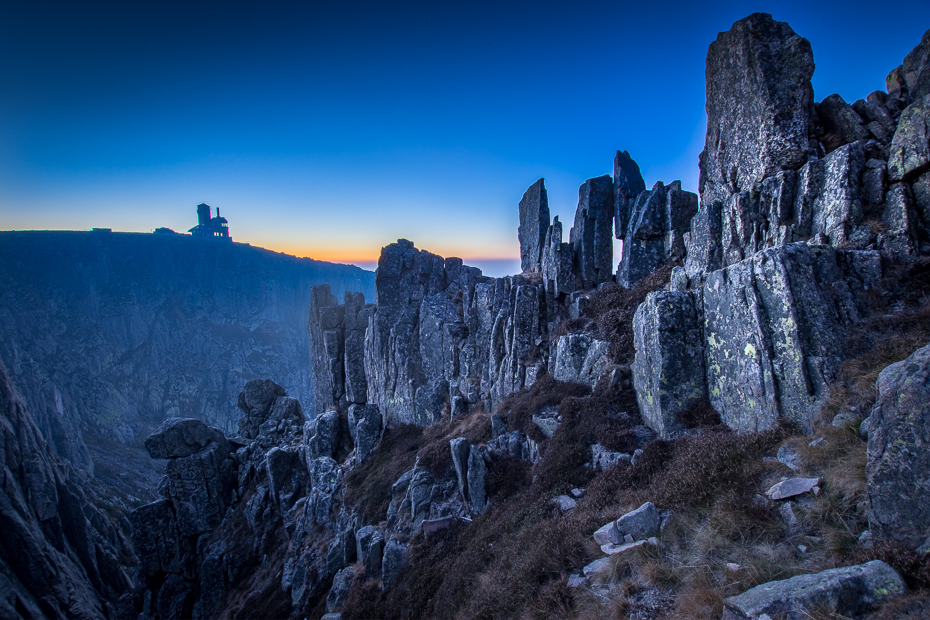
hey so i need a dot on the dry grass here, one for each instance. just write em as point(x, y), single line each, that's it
point(518, 408)
point(368, 486)
point(436, 455)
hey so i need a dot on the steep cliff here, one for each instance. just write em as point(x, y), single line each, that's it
point(108, 334)
point(60, 555)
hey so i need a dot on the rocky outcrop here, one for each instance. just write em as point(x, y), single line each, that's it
point(111, 334)
point(910, 147)
point(760, 106)
point(851, 590)
point(911, 79)
point(770, 331)
point(181, 437)
point(778, 256)
point(365, 428)
point(773, 328)
point(337, 348)
point(557, 262)
point(657, 222)
point(592, 234)
point(60, 557)
point(898, 462)
point(442, 331)
point(206, 479)
point(628, 184)
point(579, 358)
point(805, 172)
point(534, 224)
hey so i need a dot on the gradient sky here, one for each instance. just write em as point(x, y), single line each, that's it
point(331, 129)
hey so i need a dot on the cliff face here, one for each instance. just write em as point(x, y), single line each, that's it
point(111, 333)
point(60, 555)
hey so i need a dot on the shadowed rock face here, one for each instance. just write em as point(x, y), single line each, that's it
point(59, 554)
point(443, 331)
point(113, 333)
point(534, 222)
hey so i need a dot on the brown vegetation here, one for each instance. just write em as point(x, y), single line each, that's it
point(368, 485)
point(613, 306)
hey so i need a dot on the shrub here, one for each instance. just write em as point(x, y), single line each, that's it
point(518, 408)
point(607, 417)
point(613, 306)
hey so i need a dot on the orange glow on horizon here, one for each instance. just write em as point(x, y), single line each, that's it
point(354, 256)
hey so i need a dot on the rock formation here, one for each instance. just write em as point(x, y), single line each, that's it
point(760, 106)
point(591, 236)
point(804, 172)
point(534, 223)
point(657, 221)
point(443, 333)
point(60, 555)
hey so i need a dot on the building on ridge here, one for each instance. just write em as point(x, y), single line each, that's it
point(210, 227)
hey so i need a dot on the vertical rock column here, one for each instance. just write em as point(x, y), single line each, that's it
point(760, 117)
point(592, 234)
point(534, 223)
point(325, 330)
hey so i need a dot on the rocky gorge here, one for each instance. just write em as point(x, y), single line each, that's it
point(728, 423)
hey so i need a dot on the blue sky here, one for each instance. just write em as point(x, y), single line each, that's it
point(331, 129)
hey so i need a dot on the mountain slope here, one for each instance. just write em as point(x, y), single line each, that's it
point(107, 334)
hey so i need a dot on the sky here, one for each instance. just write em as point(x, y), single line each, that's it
point(330, 129)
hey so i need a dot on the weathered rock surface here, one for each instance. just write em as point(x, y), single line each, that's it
point(557, 262)
point(638, 524)
point(59, 555)
point(534, 224)
point(180, 437)
point(849, 590)
point(839, 119)
point(792, 487)
point(395, 556)
point(628, 184)
point(913, 75)
point(898, 467)
point(592, 234)
point(370, 550)
point(654, 236)
point(668, 370)
point(442, 330)
point(759, 106)
point(477, 471)
point(256, 401)
point(365, 428)
point(579, 358)
point(910, 147)
point(342, 583)
point(773, 328)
